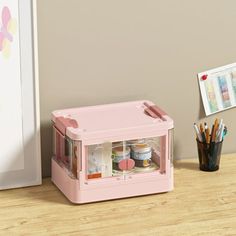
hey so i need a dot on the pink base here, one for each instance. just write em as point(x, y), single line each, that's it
point(71, 187)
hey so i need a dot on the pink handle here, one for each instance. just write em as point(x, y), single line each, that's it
point(154, 111)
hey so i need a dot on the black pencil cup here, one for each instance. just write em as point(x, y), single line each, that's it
point(209, 155)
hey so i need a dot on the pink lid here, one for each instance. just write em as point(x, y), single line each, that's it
point(105, 120)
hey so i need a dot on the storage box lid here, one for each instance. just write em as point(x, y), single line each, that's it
point(111, 119)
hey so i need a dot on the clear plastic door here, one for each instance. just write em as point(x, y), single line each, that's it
point(126, 157)
point(66, 152)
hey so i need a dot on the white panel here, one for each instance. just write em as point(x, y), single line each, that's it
point(20, 163)
point(11, 138)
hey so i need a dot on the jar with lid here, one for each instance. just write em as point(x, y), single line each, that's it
point(118, 154)
point(141, 154)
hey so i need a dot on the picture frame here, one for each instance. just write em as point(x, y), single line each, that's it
point(20, 155)
point(218, 88)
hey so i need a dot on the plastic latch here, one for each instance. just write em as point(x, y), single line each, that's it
point(62, 123)
point(153, 111)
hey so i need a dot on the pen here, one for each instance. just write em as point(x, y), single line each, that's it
point(221, 135)
point(207, 135)
point(202, 133)
point(219, 131)
point(221, 123)
point(197, 132)
point(216, 124)
point(212, 131)
point(201, 128)
point(212, 144)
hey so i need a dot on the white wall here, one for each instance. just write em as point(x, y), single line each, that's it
point(103, 51)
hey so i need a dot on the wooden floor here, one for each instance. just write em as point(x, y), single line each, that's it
point(201, 204)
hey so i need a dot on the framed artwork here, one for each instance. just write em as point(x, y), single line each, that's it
point(218, 88)
point(20, 159)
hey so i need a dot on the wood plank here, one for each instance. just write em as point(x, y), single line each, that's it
point(202, 203)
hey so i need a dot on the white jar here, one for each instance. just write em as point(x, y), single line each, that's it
point(142, 154)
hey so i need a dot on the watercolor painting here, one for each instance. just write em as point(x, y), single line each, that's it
point(233, 81)
point(211, 97)
point(218, 88)
point(224, 91)
point(7, 30)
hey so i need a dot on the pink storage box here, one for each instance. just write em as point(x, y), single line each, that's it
point(112, 151)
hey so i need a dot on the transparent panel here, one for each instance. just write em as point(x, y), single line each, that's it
point(67, 155)
point(76, 158)
point(146, 154)
point(54, 138)
point(126, 157)
point(58, 144)
point(66, 152)
point(121, 158)
point(170, 145)
point(99, 161)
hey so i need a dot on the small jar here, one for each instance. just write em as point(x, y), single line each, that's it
point(142, 154)
point(119, 154)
